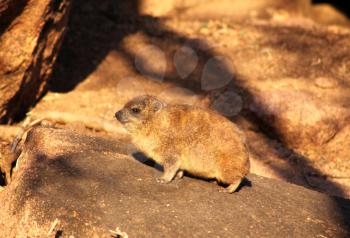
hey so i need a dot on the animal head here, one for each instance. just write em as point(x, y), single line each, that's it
point(139, 110)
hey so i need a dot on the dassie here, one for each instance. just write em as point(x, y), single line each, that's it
point(187, 138)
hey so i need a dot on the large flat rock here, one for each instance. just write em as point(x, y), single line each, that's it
point(284, 77)
point(92, 184)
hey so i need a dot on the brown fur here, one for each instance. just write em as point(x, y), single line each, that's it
point(187, 138)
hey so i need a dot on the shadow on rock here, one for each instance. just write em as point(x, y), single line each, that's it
point(98, 28)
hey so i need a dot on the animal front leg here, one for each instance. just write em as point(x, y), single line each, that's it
point(179, 174)
point(170, 170)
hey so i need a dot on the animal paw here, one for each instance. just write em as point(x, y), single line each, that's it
point(179, 174)
point(161, 180)
point(224, 190)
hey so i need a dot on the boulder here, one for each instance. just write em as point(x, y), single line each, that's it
point(31, 35)
point(300, 117)
point(72, 184)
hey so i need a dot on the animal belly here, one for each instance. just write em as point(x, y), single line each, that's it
point(199, 167)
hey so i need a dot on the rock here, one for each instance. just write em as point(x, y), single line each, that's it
point(219, 8)
point(32, 32)
point(70, 184)
point(156, 8)
point(324, 13)
point(324, 82)
point(300, 118)
point(297, 87)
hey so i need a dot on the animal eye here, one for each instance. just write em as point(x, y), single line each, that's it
point(135, 110)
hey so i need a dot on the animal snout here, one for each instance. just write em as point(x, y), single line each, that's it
point(118, 115)
point(121, 116)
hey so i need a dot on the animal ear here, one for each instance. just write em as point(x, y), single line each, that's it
point(157, 105)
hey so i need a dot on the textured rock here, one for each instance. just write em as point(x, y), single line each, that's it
point(294, 72)
point(300, 118)
point(32, 33)
point(89, 185)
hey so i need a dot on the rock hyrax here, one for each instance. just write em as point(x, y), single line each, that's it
point(187, 138)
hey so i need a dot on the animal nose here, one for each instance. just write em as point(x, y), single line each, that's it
point(118, 115)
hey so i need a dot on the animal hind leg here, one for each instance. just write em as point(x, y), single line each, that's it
point(232, 187)
point(179, 174)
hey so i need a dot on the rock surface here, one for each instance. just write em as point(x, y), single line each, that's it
point(321, 12)
point(283, 79)
point(31, 34)
point(220, 8)
point(71, 184)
